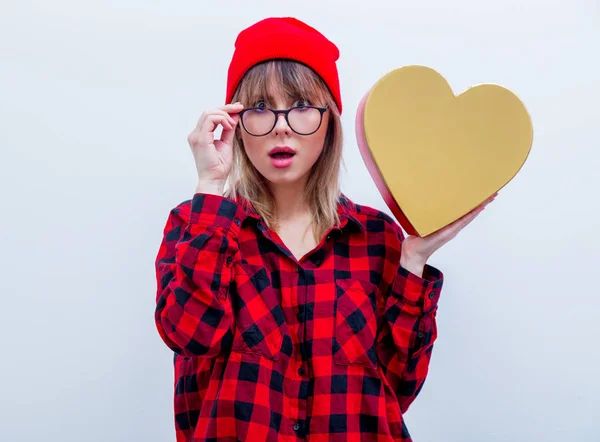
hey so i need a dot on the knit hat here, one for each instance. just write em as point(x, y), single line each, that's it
point(287, 38)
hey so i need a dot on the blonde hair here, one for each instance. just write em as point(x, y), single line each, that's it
point(322, 192)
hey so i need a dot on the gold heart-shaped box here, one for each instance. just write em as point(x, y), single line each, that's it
point(435, 156)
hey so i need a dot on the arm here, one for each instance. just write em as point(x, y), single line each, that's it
point(409, 328)
point(193, 271)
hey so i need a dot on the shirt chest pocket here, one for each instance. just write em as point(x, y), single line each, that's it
point(259, 320)
point(355, 323)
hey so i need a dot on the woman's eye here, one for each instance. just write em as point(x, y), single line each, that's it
point(301, 103)
point(260, 104)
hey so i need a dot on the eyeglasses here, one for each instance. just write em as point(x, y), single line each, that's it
point(304, 120)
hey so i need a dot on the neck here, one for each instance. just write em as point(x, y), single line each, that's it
point(289, 201)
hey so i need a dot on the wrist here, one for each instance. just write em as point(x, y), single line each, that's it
point(413, 264)
point(210, 187)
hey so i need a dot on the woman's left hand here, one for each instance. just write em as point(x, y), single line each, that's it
point(417, 250)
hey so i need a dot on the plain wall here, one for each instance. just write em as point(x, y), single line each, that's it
point(96, 102)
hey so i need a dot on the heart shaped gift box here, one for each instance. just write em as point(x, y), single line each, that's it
point(435, 156)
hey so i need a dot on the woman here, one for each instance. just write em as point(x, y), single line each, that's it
point(292, 311)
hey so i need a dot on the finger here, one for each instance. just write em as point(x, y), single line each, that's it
point(227, 135)
point(483, 204)
point(469, 218)
point(451, 230)
point(491, 198)
point(219, 119)
point(230, 111)
point(232, 108)
point(216, 112)
point(212, 121)
point(224, 113)
point(462, 222)
point(475, 210)
point(227, 109)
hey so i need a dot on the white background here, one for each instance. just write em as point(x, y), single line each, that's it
point(96, 102)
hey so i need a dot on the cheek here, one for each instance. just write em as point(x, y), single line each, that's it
point(315, 149)
point(252, 146)
point(316, 143)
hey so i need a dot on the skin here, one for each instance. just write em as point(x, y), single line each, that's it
point(213, 159)
point(287, 185)
point(307, 147)
point(417, 250)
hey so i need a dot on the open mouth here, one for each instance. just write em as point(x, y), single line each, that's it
point(282, 155)
point(282, 158)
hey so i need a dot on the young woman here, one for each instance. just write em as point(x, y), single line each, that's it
point(293, 312)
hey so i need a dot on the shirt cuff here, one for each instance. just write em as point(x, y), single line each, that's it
point(420, 293)
point(218, 211)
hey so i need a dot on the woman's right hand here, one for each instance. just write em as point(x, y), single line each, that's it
point(214, 157)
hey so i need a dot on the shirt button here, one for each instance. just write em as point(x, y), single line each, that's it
point(432, 295)
point(229, 260)
point(296, 426)
point(328, 237)
point(299, 316)
point(301, 371)
point(236, 221)
point(420, 334)
point(298, 269)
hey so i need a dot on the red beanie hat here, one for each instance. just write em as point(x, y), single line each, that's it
point(288, 38)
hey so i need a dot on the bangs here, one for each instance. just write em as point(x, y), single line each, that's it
point(286, 79)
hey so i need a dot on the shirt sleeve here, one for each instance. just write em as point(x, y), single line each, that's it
point(193, 272)
point(409, 331)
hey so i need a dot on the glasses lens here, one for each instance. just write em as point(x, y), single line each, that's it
point(305, 120)
point(258, 121)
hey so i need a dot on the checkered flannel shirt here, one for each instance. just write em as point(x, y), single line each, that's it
point(334, 346)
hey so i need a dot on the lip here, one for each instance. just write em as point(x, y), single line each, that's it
point(281, 163)
point(286, 149)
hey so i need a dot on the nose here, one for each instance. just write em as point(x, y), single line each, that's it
point(281, 125)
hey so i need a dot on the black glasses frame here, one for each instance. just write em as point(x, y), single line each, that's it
point(286, 114)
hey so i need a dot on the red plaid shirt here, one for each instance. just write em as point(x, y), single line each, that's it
point(335, 346)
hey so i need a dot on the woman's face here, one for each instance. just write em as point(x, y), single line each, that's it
point(285, 168)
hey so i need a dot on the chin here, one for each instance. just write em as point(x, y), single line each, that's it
point(281, 176)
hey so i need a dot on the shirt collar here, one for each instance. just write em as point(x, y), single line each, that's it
point(347, 211)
